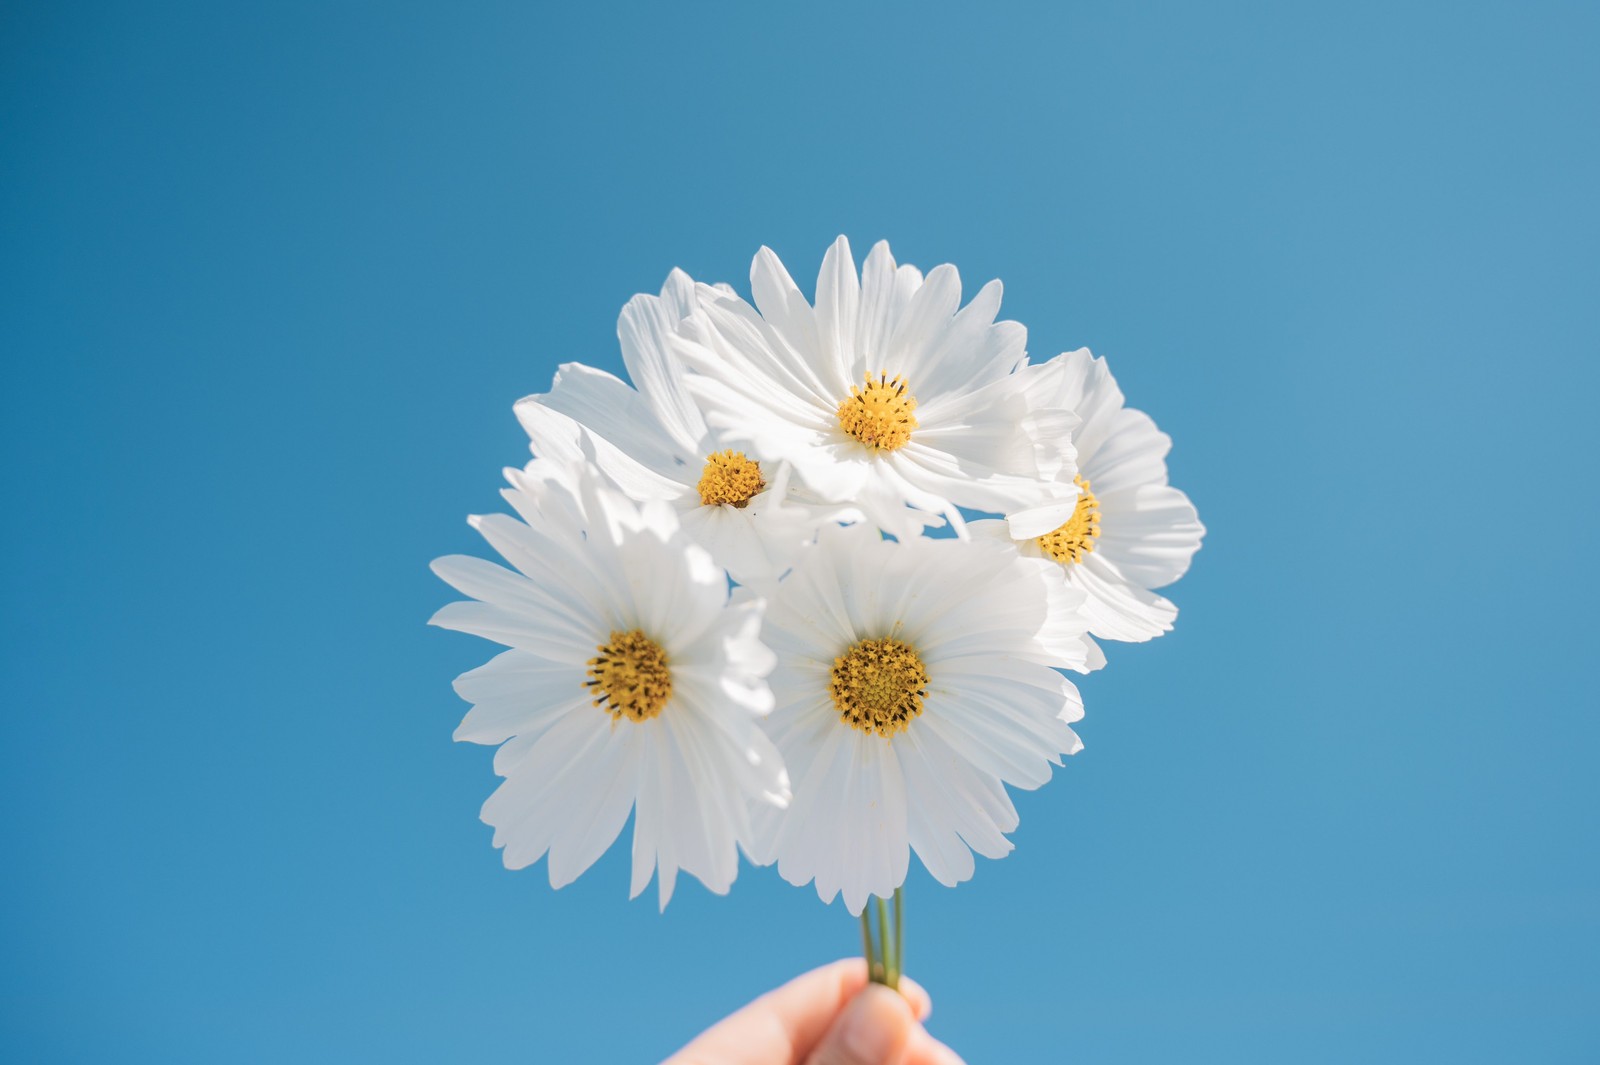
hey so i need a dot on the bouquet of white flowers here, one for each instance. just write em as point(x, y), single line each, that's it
point(726, 613)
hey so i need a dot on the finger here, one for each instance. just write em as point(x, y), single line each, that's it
point(873, 1030)
point(801, 994)
point(924, 1049)
point(913, 992)
point(781, 1026)
point(786, 1024)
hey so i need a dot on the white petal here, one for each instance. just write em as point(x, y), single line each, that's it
point(644, 330)
point(1032, 522)
point(921, 326)
point(878, 311)
point(557, 568)
point(1078, 382)
point(847, 829)
point(1149, 533)
point(538, 634)
point(706, 810)
point(517, 693)
point(1117, 609)
point(609, 408)
point(585, 832)
point(549, 783)
point(838, 304)
point(971, 350)
point(782, 304)
point(875, 836)
point(1133, 453)
point(949, 797)
point(650, 844)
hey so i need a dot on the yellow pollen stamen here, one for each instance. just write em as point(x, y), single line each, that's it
point(878, 686)
point(730, 478)
point(1075, 538)
point(629, 678)
point(878, 413)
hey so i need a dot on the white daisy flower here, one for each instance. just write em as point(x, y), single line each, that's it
point(1129, 530)
point(630, 682)
point(886, 394)
point(914, 681)
point(654, 444)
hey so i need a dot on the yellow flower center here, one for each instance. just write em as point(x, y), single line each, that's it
point(1074, 539)
point(878, 413)
point(730, 478)
point(628, 676)
point(878, 686)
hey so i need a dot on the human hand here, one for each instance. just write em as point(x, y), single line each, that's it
point(828, 1016)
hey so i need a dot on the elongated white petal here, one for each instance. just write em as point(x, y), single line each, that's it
point(1117, 609)
point(586, 832)
point(517, 694)
point(1150, 533)
point(644, 330)
point(552, 778)
point(610, 409)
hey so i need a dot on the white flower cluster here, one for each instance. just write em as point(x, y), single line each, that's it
point(724, 612)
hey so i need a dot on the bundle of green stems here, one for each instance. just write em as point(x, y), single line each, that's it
point(883, 940)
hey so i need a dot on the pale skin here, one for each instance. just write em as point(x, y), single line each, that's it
point(828, 1016)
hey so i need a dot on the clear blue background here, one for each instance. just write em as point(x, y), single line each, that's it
point(274, 275)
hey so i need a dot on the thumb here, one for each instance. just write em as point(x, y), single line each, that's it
point(872, 1030)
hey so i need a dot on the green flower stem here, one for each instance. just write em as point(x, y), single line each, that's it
point(867, 950)
point(899, 939)
point(886, 952)
point(883, 940)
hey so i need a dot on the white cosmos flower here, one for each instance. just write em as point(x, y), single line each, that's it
point(887, 393)
point(914, 681)
point(653, 443)
point(630, 682)
point(1129, 531)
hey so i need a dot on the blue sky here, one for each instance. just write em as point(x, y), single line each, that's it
point(273, 278)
